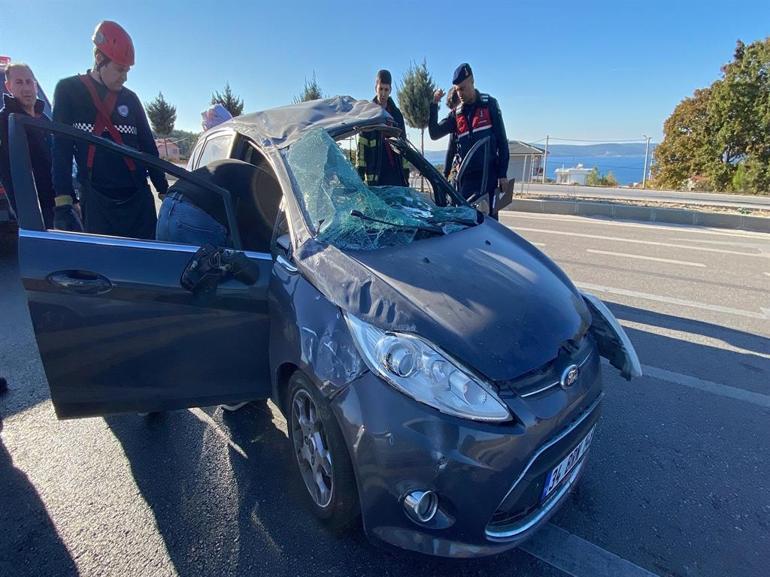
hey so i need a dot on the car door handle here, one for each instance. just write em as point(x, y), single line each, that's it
point(80, 282)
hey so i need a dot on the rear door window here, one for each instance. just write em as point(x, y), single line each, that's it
point(216, 147)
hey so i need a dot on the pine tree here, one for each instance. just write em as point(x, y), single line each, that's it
point(162, 116)
point(415, 96)
point(227, 99)
point(312, 91)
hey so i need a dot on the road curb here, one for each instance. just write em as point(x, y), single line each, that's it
point(641, 213)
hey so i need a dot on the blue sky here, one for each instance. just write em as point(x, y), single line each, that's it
point(573, 70)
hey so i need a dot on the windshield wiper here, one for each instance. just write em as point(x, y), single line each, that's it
point(465, 221)
point(432, 228)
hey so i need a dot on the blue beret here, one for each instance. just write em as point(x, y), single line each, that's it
point(461, 73)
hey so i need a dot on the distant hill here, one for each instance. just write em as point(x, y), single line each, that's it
point(606, 149)
point(435, 156)
point(601, 149)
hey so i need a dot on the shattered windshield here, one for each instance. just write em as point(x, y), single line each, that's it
point(348, 214)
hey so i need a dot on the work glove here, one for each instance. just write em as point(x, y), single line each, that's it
point(65, 217)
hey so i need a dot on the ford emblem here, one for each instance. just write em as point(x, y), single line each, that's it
point(569, 376)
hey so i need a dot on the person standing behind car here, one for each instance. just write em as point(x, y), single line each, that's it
point(451, 160)
point(377, 163)
point(477, 117)
point(22, 99)
point(214, 115)
point(115, 196)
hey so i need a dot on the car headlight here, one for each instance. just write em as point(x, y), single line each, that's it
point(418, 369)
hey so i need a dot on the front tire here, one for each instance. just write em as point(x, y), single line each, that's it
point(321, 455)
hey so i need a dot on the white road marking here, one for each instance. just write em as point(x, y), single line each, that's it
point(735, 243)
point(577, 557)
point(762, 315)
point(692, 338)
point(645, 242)
point(710, 387)
point(653, 258)
point(688, 228)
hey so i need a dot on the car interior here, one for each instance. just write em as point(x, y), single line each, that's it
point(256, 220)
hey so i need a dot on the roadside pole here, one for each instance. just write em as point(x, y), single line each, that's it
point(646, 154)
point(545, 159)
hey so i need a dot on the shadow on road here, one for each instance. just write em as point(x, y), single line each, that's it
point(744, 363)
point(19, 357)
point(29, 543)
point(228, 501)
point(749, 341)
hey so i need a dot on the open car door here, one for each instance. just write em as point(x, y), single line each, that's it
point(116, 330)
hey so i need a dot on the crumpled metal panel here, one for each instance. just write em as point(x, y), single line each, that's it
point(350, 215)
point(282, 126)
point(484, 296)
point(310, 331)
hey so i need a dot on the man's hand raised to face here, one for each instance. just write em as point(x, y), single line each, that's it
point(437, 96)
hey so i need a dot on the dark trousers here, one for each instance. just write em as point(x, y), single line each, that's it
point(46, 200)
point(128, 212)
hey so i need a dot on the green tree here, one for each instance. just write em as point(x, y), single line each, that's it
point(609, 179)
point(687, 149)
point(233, 103)
point(162, 116)
point(740, 109)
point(311, 91)
point(185, 140)
point(595, 178)
point(414, 97)
point(721, 135)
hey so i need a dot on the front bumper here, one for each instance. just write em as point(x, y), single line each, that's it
point(488, 477)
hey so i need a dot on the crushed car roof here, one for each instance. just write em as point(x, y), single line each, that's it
point(280, 127)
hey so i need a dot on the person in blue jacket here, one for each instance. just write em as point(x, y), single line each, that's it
point(477, 116)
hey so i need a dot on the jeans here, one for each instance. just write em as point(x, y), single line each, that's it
point(182, 222)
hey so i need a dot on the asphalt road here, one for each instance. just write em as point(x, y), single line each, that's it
point(678, 482)
point(691, 198)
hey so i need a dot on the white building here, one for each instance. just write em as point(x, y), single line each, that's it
point(167, 149)
point(575, 175)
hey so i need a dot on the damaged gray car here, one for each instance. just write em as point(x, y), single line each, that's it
point(440, 376)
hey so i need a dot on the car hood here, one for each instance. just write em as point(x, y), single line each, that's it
point(484, 295)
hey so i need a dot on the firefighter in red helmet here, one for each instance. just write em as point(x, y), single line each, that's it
point(115, 197)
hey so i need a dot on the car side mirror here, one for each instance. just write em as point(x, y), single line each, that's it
point(210, 266)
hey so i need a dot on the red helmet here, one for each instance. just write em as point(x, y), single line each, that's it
point(114, 42)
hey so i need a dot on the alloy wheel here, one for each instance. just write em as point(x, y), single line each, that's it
point(311, 448)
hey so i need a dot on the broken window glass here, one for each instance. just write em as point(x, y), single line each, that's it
point(346, 213)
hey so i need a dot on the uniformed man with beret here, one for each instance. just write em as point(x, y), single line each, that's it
point(476, 117)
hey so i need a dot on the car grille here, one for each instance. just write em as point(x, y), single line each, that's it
point(548, 376)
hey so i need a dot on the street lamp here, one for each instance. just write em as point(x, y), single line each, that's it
point(646, 153)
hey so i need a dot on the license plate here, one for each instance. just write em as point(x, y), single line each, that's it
point(560, 471)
